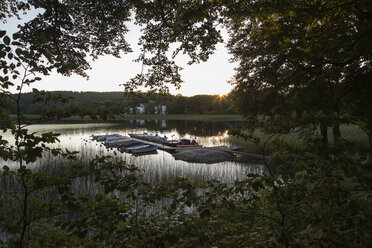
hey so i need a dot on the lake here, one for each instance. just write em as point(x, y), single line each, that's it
point(161, 166)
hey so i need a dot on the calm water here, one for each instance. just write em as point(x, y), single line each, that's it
point(155, 167)
point(160, 166)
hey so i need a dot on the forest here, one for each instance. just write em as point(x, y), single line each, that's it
point(128, 103)
point(303, 67)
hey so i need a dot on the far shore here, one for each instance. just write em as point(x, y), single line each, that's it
point(191, 117)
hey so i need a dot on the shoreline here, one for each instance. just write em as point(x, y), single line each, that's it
point(191, 117)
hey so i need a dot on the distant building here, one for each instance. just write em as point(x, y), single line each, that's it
point(162, 110)
point(141, 109)
point(137, 110)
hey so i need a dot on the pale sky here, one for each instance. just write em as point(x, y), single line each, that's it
point(108, 72)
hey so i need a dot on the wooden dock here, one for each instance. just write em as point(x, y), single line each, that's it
point(174, 149)
point(160, 146)
point(252, 155)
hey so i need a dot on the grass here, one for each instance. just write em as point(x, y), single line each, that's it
point(351, 133)
point(354, 134)
point(191, 117)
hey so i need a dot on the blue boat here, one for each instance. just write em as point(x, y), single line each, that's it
point(130, 144)
point(130, 149)
point(144, 149)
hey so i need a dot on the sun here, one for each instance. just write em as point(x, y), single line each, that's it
point(221, 95)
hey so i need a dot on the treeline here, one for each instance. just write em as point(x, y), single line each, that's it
point(138, 103)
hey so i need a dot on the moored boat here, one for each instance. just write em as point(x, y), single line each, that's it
point(145, 149)
point(104, 137)
point(181, 143)
point(130, 149)
point(117, 141)
point(137, 135)
point(129, 144)
point(149, 137)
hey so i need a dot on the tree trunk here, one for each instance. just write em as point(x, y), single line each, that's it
point(369, 152)
point(336, 132)
point(324, 133)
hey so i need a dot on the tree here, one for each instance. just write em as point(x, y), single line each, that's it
point(360, 104)
point(150, 107)
point(313, 195)
point(299, 55)
point(178, 106)
point(60, 37)
point(63, 35)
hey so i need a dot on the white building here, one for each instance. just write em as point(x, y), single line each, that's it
point(162, 110)
point(141, 109)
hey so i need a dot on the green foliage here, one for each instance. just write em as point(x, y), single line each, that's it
point(119, 103)
point(312, 195)
point(301, 56)
point(63, 35)
point(305, 199)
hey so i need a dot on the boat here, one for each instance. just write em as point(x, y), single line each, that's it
point(104, 137)
point(181, 143)
point(111, 138)
point(145, 149)
point(129, 144)
point(149, 137)
point(156, 138)
point(130, 149)
point(138, 135)
point(117, 141)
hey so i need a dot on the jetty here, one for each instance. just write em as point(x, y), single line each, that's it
point(252, 155)
point(215, 154)
point(160, 146)
point(188, 153)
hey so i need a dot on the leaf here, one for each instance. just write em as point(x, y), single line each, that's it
point(354, 206)
point(6, 40)
point(18, 51)
point(16, 36)
point(2, 33)
point(16, 43)
point(204, 213)
point(6, 168)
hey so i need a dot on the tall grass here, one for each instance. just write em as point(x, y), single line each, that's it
point(351, 133)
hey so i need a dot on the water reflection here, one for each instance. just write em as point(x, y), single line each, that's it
point(182, 127)
point(161, 166)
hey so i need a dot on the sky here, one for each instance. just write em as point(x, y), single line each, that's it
point(108, 72)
